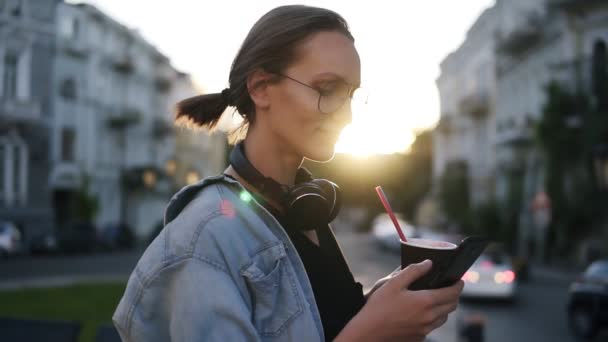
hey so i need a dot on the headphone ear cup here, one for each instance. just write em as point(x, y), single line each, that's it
point(333, 196)
point(307, 206)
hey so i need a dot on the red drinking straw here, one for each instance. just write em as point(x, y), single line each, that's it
point(387, 206)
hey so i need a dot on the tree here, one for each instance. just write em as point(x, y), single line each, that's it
point(454, 193)
point(417, 175)
point(567, 133)
point(86, 205)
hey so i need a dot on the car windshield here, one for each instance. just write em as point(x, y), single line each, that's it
point(598, 269)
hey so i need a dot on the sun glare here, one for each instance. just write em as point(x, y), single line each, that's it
point(376, 129)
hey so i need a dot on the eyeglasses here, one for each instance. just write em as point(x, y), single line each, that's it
point(333, 95)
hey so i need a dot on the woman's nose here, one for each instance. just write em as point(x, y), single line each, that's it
point(344, 115)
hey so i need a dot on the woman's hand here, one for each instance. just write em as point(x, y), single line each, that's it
point(395, 313)
point(381, 282)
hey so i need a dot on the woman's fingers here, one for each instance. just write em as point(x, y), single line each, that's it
point(408, 275)
point(445, 295)
point(445, 309)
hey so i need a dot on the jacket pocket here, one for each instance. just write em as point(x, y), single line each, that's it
point(274, 294)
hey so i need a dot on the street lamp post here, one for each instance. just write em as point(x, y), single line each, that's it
point(600, 168)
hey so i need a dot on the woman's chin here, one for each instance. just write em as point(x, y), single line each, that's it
point(321, 154)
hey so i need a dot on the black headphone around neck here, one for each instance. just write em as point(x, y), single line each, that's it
point(309, 204)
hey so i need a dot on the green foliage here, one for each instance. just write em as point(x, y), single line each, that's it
point(486, 220)
point(86, 205)
point(567, 133)
point(454, 193)
point(417, 174)
point(405, 178)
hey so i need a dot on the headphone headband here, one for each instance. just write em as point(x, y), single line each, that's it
point(309, 203)
point(265, 185)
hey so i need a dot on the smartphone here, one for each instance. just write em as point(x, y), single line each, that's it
point(450, 271)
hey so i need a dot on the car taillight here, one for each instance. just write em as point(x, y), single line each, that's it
point(470, 277)
point(506, 277)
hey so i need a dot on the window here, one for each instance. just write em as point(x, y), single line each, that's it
point(70, 28)
point(67, 144)
point(18, 173)
point(599, 74)
point(9, 79)
point(3, 156)
point(13, 170)
point(67, 89)
point(16, 8)
point(75, 29)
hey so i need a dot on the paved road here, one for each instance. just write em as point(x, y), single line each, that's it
point(28, 271)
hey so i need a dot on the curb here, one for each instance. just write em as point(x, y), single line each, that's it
point(60, 281)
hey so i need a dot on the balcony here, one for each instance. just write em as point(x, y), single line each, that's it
point(123, 64)
point(476, 104)
point(74, 48)
point(445, 125)
point(523, 38)
point(17, 110)
point(519, 136)
point(65, 175)
point(162, 84)
point(576, 5)
point(124, 120)
point(161, 128)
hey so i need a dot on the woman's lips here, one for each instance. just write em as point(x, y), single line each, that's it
point(333, 135)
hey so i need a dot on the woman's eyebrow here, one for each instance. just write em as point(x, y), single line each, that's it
point(325, 75)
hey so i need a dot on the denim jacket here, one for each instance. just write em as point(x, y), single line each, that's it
point(222, 269)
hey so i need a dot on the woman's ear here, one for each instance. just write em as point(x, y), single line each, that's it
point(257, 86)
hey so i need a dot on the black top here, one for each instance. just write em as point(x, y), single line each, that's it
point(339, 297)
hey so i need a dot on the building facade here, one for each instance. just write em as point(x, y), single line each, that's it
point(27, 29)
point(528, 44)
point(113, 133)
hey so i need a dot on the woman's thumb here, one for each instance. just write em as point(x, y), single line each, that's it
point(414, 271)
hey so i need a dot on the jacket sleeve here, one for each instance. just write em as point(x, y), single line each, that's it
point(190, 300)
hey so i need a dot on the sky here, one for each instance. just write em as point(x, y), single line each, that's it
point(401, 44)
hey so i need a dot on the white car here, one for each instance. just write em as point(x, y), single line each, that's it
point(10, 239)
point(385, 233)
point(491, 276)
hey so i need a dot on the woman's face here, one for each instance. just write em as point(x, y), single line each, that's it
point(329, 62)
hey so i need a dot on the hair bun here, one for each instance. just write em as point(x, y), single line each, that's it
point(227, 98)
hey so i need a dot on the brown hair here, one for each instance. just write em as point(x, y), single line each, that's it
point(269, 46)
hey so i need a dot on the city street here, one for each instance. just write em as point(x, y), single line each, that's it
point(537, 315)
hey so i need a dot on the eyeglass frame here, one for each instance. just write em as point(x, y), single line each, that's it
point(351, 91)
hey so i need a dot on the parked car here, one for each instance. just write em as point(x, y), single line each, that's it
point(115, 236)
point(44, 243)
point(384, 232)
point(588, 301)
point(77, 237)
point(10, 239)
point(491, 276)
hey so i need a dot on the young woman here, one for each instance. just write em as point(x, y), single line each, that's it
point(248, 255)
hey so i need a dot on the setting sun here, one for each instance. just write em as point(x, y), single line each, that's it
point(378, 127)
point(364, 137)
